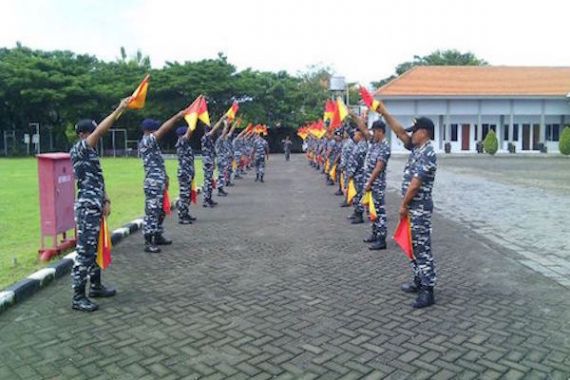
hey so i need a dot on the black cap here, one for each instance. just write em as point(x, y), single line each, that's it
point(379, 124)
point(422, 123)
point(181, 131)
point(85, 126)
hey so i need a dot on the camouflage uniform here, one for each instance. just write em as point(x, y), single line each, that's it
point(422, 163)
point(88, 211)
point(229, 149)
point(287, 148)
point(221, 155)
point(345, 155)
point(260, 146)
point(208, 158)
point(237, 147)
point(154, 184)
point(378, 151)
point(355, 169)
point(185, 175)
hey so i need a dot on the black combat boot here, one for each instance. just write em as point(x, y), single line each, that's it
point(150, 245)
point(370, 239)
point(160, 240)
point(358, 219)
point(97, 289)
point(184, 220)
point(222, 192)
point(339, 192)
point(411, 287)
point(230, 184)
point(344, 204)
point(261, 178)
point(192, 218)
point(378, 245)
point(256, 177)
point(80, 301)
point(425, 297)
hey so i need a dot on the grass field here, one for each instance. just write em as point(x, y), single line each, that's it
point(20, 215)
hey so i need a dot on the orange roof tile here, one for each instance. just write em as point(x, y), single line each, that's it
point(479, 81)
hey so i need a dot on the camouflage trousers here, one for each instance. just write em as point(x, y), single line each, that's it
point(208, 176)
point(260, 165)
point(153, 211)
point(222, 166)
point(424, 265)
point(185, 183)
point(88, 222)
point(379, 225)
point(359, 182)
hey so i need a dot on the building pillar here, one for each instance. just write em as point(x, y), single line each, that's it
point(541, 137)
point(511, 123)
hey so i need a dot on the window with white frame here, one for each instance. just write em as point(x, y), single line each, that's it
point(552, 132)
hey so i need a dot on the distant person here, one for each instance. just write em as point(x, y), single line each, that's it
point(208, 162)
point(155, 181)
point(261, 152)
point(91, 205)
point(417, 203)
point(287, 147)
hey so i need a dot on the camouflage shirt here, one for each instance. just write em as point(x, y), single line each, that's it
point(377, 151)
point(88, 174)
point(152, 157)
point(185, 156)
point(347, 147)
point(355, 165)
point(422, 163)
point(260, 146)
point(208, 150)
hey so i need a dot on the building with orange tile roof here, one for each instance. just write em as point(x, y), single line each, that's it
point(525, 106)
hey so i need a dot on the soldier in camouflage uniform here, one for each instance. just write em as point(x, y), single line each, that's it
point(261, 151)
point(229, 148)
point(345, 154)
point(222, 158)
point(375, 173)
point(91, 205)
point(185, 173)
point(237, 146)
point(417, 204)
point(208, 161)
point(336, 157)
point(287, 147)
point(155, 181)
point(355, 171)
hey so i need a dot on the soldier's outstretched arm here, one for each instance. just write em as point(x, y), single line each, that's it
point(360, 123)
point(107, 123)
point(188, 133)
point(168, 124)
point(217, 125)
point(394, 124)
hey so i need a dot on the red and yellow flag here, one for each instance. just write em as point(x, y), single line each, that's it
point(104, 245)
point(166, 203)
point(332, 173)
point(198, 110)
point(403, 237)
point(193, 192)
point(330, 109)
point(351, 191)
point(138, 97)
point(368, 99)
point(368, 199)
point(341, 112)
point(233, 111)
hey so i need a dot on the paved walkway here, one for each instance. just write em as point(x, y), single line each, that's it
point(275, 283)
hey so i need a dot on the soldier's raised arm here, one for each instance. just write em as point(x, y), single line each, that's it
point(394, 125)
point(168, 124)
point(107, 123)
point(217, 125)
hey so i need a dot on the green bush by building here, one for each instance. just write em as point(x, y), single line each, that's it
point(564, 143)
point(491, 144)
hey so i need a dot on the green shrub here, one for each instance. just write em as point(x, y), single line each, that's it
point(564, 143)
point(491, 144)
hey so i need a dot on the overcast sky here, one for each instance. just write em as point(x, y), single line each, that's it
point(362, 40)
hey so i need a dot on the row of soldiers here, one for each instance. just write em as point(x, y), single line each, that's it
point(354, 154)
point(233, 154)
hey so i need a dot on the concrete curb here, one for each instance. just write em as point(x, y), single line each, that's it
point(29, 286)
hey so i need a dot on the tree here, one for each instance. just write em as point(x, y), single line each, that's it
point(450, 57)
point(564, 143)
point(491, 144)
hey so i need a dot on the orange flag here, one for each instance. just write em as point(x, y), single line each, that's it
point(332, 173)
point(368, 99)
point(104, 245)
point(233, 111)
point(330, 109)
point(403, 237)
point(193, 192)
point(351, 191)
point(340, 113)
point(198, 110)
point(139, 96)
point(166, 203)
